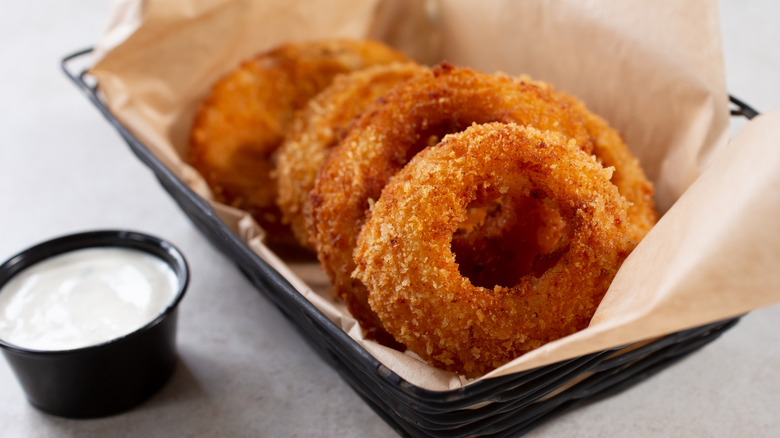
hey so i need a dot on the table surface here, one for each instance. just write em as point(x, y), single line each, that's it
point(244, 370)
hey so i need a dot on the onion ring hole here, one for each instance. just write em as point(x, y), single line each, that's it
point(506, 237)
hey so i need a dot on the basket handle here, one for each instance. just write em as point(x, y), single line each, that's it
point(740, 108)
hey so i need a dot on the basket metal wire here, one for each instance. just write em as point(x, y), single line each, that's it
point(504, 406)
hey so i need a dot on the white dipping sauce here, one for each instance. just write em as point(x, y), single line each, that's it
point(84, 297)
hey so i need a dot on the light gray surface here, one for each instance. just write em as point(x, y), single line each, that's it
point(244, 370)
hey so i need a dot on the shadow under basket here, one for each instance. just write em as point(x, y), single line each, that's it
point(504, 406)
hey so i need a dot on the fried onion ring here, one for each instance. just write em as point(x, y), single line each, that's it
point(404, 251)
point(244, 118)
point(391, 131)
point(320, 127)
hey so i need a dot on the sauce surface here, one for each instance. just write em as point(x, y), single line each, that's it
point(84, 297)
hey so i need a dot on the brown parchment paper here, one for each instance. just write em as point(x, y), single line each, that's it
point(653, 69)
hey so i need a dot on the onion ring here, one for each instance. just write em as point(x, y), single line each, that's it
point(244, 118)
point(404, 256)
point(390, 132)
point(320, 127)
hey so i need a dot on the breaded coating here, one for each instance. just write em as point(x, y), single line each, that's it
point(244, 119)
point(404, 254)
point(319, 127)
point(630, 179)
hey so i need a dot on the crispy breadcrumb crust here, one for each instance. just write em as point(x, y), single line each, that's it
point(630, 179)
point(319, 127)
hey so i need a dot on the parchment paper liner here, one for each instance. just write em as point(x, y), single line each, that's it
point(654, 70)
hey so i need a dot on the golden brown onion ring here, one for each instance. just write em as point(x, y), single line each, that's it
point(244, 118)
point(404, 251)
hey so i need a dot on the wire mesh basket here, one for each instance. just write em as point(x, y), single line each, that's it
point(504, 406)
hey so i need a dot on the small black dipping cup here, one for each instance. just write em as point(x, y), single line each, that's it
point(110, 377)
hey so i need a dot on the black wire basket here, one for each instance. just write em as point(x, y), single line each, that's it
point(510, 405)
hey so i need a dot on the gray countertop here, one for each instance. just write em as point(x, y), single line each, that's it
point(244, 370)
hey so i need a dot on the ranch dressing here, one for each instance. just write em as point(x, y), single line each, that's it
point(84, 297)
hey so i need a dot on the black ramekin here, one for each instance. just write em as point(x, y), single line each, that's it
point(110, 377)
